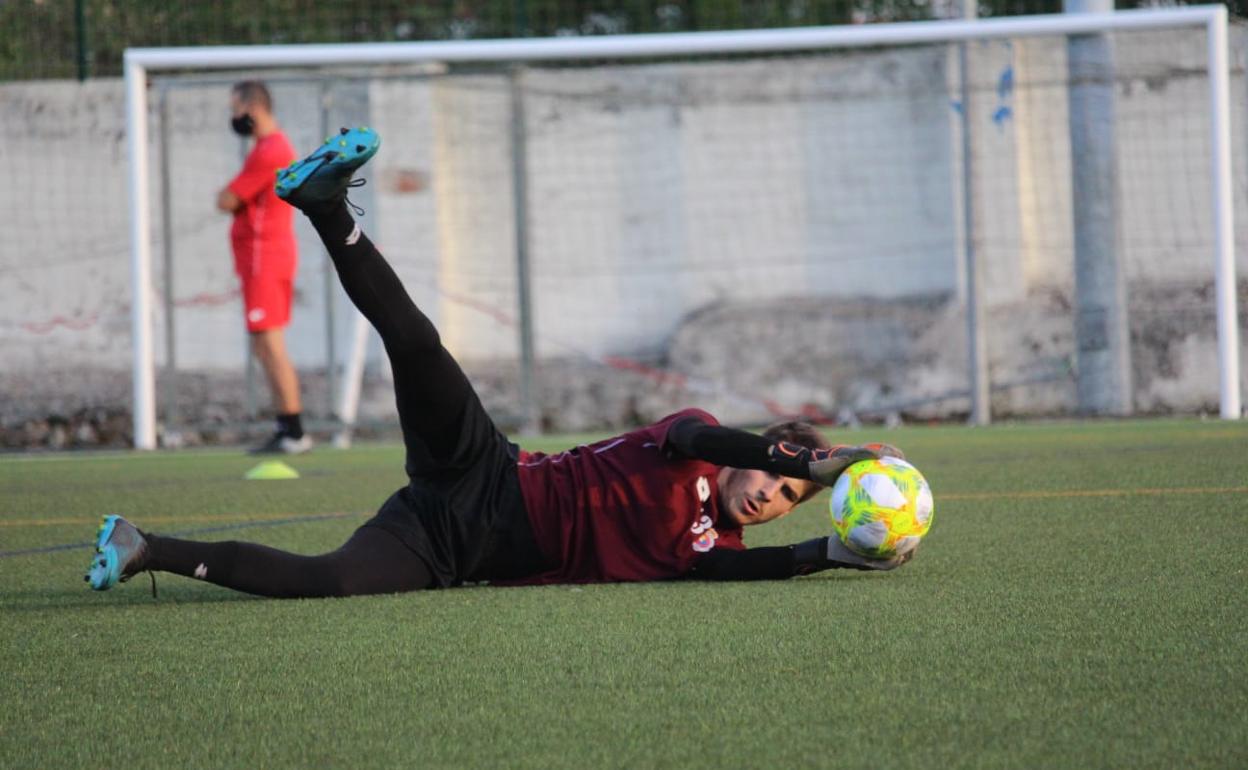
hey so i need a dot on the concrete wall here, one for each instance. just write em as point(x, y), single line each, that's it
point(656, 192)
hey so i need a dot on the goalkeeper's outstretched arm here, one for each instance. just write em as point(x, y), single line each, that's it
point(732, 448)
point(783, 562)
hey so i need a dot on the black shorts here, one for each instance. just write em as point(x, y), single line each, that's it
point(465, 518)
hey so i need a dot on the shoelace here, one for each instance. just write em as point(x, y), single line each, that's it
point(150, 574)
point(359, 210)
point(326, 158)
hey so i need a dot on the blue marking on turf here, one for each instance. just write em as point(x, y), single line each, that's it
point(187, 532)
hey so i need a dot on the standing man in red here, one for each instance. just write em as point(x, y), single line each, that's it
point(265, 256)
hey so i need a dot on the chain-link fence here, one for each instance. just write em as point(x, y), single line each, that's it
point(86, 38)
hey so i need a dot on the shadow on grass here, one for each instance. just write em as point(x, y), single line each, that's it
point(44, 601)
point(138, 593)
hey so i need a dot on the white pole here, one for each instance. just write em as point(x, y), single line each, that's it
point(140, 258)
point(529, 425)
point(1102, 333)
point(976, 333)
point(1224, 244)
point(352, 380)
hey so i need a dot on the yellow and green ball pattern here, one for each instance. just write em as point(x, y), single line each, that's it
point(881, 507)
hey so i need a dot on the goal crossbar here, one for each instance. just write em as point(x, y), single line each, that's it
point(140, 62)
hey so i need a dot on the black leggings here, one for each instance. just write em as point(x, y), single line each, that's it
point(372, 561)
point(430, 389)
point(432, 394)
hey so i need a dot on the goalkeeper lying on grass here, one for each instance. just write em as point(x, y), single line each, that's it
point(666, 501)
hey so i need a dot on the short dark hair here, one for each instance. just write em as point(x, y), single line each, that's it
point(254, 92)
point(797, 432)
point(801, 433)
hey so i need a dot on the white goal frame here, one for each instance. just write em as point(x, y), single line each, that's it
point(140, 62)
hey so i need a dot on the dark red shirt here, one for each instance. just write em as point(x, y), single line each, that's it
point(263, 233)
point(622, 510)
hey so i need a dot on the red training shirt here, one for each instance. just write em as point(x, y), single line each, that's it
point(622, 510)
point(263, 234)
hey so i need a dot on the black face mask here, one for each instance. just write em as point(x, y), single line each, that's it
point(243, 125)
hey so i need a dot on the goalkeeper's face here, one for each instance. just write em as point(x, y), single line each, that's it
point(753, 497)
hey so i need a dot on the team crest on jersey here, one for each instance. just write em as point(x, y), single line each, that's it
point(706, 542)
point(704, 528)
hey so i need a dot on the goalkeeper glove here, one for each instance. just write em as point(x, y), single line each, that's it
point(827, 465)
point(830, 553)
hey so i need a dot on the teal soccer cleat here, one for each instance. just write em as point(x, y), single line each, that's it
point(318, 183)
point(120, 552)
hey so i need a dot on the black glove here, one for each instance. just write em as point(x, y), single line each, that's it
point(829, 464)
point(885, 450)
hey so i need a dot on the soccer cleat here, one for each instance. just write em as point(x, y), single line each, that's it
point(319, 182)
point(120, 553)
point(281, 444)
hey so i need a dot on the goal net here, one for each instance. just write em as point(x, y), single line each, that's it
point(762, 224)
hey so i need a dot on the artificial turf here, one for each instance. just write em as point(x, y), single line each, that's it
point(1080, 602)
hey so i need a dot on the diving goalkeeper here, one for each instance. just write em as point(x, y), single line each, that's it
point(670, 500)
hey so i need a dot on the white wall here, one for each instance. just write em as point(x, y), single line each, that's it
point(654, 191)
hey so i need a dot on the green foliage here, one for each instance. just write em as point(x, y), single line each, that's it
point(42, 38)
point(1078, 603)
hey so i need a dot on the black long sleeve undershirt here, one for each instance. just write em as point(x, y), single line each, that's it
point(693, 438)
point(768, 563)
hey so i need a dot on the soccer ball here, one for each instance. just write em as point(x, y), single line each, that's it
point(881, 508)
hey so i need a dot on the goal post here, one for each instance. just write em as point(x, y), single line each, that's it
point(140, 63)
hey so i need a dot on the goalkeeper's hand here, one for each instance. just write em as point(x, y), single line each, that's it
point(830, 553)
point(828, 464)
point(840, 555)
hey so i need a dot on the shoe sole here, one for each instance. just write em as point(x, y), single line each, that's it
point(105, 569)
point(338, 157)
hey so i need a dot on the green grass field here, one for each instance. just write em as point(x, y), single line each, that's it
point(1081, 602)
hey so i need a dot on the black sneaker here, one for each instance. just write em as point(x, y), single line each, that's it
point(281, 444)
point(319, 182)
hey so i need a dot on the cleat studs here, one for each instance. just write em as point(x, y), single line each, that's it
point(360, 148)
point(344, 131)
point(342, 142)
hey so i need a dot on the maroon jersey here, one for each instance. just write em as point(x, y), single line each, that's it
point(621, 509)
